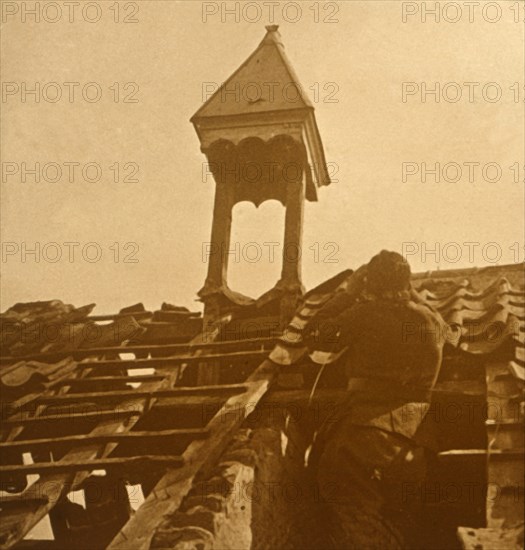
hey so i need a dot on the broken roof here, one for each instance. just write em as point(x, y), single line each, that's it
point(81, 375)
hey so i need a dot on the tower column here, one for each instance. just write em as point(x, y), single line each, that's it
point(293, 236)
point(216, 279)
point(291, 282)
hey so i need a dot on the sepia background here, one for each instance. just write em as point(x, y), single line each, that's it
point(368, 133)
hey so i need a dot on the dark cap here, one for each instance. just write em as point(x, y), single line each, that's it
point(388, 272)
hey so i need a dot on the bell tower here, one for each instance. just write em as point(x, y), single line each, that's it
point(261, 141)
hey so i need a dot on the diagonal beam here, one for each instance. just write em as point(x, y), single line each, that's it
point(199, 457)
point(17, 522)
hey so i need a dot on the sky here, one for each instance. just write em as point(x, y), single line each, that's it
point(354, 59)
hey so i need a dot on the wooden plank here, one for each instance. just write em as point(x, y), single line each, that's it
point(199, 457)
point(175, 360)
point(49, 443)
point(188, 402)
point(299, 397)
point(492, 453)
point(112, 317)
point(166, 316)
point(16, 523)
point(130, 379)
point(207, 343)
point(34, 544)
point(209, 372)
point(120, 415)
point(184, 403)
point(490, 539)
point(124, 394)
point(16, 500)
point(144, 461)
point(171, 405)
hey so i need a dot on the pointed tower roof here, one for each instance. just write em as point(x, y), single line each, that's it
point(265, 82)
point(263, 98)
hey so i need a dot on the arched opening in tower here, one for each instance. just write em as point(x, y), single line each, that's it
point(256, 248)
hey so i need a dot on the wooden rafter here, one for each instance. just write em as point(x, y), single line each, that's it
point(114, 422)
point(206, 342)
point(51, 442)
point(200, 455)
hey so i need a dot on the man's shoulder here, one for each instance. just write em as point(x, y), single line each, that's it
point(406, 311)
point(425, 311)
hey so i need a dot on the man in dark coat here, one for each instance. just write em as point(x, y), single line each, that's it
point(366, 456)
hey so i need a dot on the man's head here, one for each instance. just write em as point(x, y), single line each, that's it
point(387, 272)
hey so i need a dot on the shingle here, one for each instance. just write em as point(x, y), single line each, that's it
point(482, 320)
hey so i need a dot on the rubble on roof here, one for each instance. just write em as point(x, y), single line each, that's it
point(54, 327)
point(35, 326)
point(31, 377)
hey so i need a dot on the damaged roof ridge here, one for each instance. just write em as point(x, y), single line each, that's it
point(447, 273)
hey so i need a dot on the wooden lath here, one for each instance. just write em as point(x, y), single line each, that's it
point(206, 342)
point(52, 442)
point(175, 360)
point(114, 424)
point(136, 364)
point(121, 464)
point(199, 457)
point(121, 414)
point(119, 395)
point(16, 522)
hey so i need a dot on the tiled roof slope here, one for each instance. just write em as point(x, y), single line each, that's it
point(54, 327)
point(46, 335)
point(484, 309)
point(80, 391)
point(485, 313)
